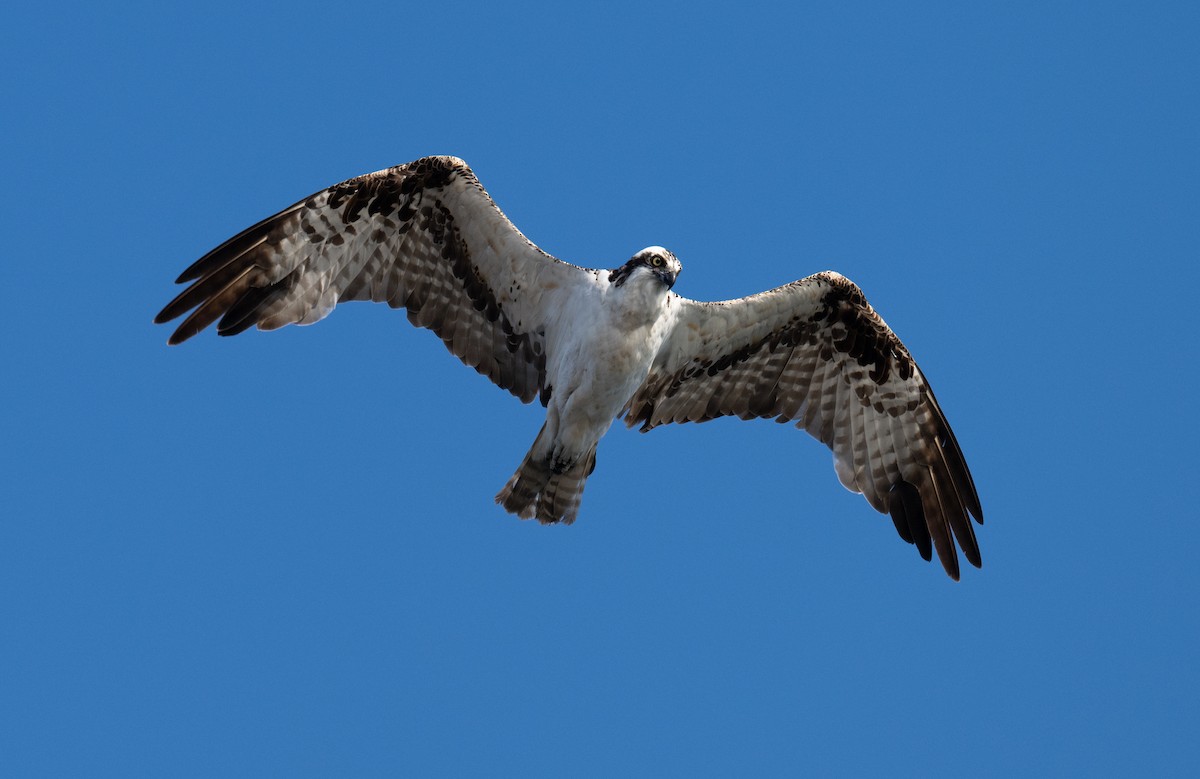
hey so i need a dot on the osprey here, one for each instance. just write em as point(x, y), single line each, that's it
point(596, 345)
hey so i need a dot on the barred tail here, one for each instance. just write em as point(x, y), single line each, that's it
point(536, 491)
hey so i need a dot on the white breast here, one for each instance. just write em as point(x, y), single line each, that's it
point(609, 341)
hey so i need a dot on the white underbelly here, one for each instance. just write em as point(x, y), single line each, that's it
point(595, 373)
point(594, 385)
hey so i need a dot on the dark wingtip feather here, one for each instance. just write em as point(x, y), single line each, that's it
point(216, 275)
point(957, 463)
point(190, 327)
point(896, 510)
point(967, 542)
point(954, 510)
point(943, 539)
point(938, 522)
point(905, 508)
point(947, 552)
point(949, 560)
point(249, 307)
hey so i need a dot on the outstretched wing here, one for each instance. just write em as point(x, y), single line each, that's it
point(816, 353)
point(423, 236)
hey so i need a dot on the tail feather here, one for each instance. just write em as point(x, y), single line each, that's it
point(536, 491)
point(564, 491)
point(520, 495)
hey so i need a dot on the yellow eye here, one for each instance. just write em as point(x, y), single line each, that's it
point(656, 261)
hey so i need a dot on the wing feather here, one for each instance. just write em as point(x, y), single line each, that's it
point(423, 236)
point(815, 353)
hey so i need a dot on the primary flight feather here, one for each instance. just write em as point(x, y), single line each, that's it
point(594, 345)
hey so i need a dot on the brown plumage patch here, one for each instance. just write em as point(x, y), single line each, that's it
point(836, 370)
point(391, 236)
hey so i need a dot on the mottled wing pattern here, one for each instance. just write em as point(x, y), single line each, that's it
point(814, 352)
point(423, 236)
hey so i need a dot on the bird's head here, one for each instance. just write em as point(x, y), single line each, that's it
point(653, 260)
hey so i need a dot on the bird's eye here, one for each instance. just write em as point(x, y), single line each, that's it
point(656, 261)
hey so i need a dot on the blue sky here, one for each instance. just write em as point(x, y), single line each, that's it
point(278, 553)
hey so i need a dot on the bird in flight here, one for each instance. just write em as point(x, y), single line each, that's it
point(595, 345)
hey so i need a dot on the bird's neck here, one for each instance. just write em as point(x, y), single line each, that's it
point(638, 302)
